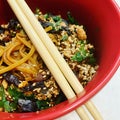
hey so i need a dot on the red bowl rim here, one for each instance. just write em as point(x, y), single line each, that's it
point(81, 100)
point(84, 98)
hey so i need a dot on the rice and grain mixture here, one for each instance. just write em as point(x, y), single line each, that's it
point(41, 91)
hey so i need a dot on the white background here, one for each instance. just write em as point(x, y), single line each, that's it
point(107, 100)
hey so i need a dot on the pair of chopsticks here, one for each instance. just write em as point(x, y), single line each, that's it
point(52, 58)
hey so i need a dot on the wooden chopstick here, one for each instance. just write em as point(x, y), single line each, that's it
point(93, 111)
point(78, 88)
point(62, 82)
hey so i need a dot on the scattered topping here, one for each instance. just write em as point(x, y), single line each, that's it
point(30, 86)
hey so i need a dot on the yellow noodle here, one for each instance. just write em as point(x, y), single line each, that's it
point(35, 56)
point(1, 50)
point(26, 69)
point(31, 67)
point(22, 38)
point(28, 77)
point(5, 60)
point(21, 51)
point(6, 50)
point(27, 43)
point(48, 28)
point(32, 59)
point(12, 66)
point(1, 67)
point(17, 48)
point(1, 61)
point(1, 53)
point(9, 51)
point(15, 56)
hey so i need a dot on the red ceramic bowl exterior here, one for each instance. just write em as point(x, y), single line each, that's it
point(102, 20)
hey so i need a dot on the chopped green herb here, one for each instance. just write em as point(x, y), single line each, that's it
point(81, 54)
point(9, 107)
point(15, 93)
point(84, 54)
point(42, 104)
point(2, 93)
point(2, 96)
point(78, 57)
point(92, 59)
point(56, 18)
point(46, 16)
point(64, 37)
point(56, 26)
point(71, 19)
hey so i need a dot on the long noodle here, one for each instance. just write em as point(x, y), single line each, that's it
point(8, 54)
point(12, 66)
point(19, 54)
point(1, 53)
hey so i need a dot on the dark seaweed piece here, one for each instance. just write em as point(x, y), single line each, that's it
point(45, 23)
point(2, 30)
point(13, 24)
point(27, 88)
point(65, 21)
point(9, 77)
point(2, 42)
point(60, 98)
point(32, 86)
point(27, 105)
point(66, 28)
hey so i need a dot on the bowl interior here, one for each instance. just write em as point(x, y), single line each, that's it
point(102, 21)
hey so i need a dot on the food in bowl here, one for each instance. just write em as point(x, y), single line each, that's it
point(26, 84)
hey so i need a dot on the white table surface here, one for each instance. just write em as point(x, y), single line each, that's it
point(107, 100)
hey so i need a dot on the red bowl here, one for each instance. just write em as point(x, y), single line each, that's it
point(102, 21)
